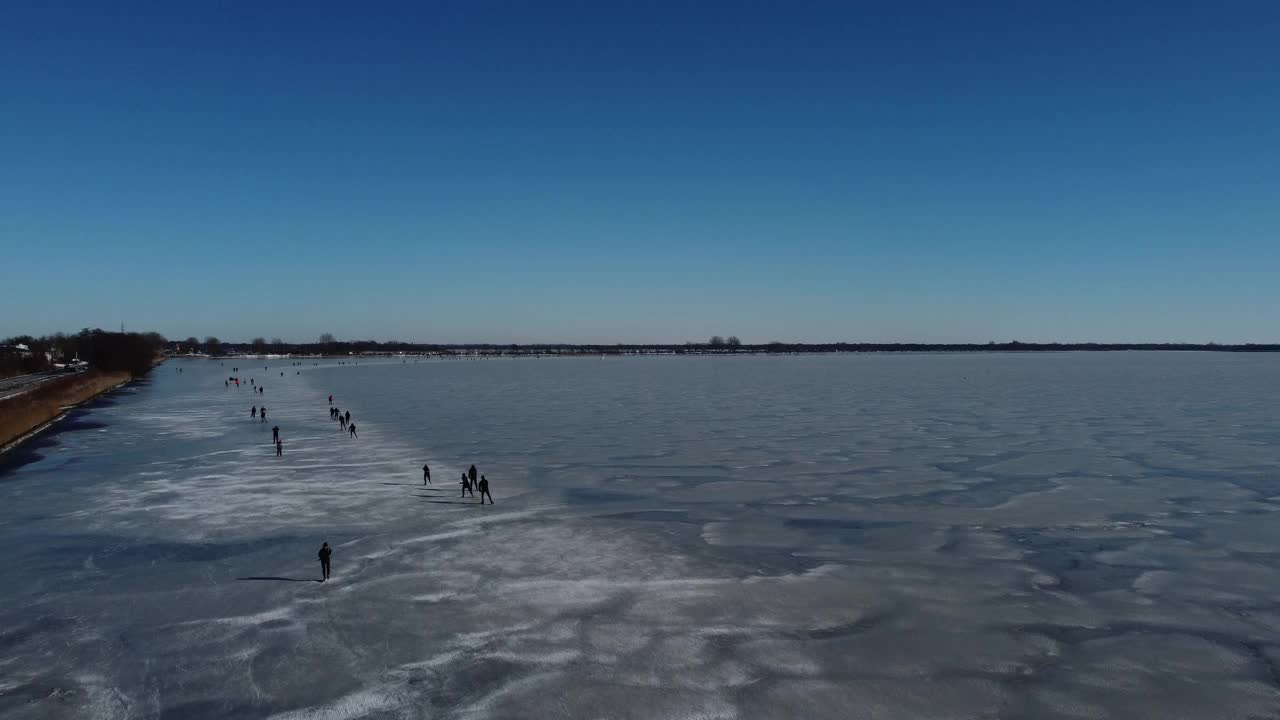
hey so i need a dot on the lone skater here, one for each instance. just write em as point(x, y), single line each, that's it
point(254, 412)
point(275, 434)
point(426, 475)
point(325, 553)
point(330, 399)
point(466, 486)
point(280, 453)
point(484, 490)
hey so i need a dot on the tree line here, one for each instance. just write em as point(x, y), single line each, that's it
point(327, 344)
point(101, 349)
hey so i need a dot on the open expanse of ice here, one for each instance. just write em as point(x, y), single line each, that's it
point(881, 536)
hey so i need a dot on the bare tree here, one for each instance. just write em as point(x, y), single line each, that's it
point(717, 341)
point(213, 345)
point(734, 341)
point(259, 345)
point(192, 344)
point(327, 338)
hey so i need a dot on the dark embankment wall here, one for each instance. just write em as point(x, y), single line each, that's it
point(21, 414)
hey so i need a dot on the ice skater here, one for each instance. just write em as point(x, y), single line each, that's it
point(262, 414)
point(348, 416)
point(426, 475)
point(466, 486)
point(253, 413)
point(275, 434)
point(325, 554)
point(484, 490)
point(280, 453)
point(353, 431)
point(330, 399)
point(472, 474)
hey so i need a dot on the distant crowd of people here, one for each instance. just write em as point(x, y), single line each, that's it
point(473, 483)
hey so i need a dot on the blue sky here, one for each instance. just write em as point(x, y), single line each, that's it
point(481, 171)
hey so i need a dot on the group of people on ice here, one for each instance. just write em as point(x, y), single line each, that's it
point(469, 483)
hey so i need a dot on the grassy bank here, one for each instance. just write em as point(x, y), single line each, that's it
point(24, 413)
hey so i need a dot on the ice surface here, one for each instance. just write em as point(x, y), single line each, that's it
point(1049, 536)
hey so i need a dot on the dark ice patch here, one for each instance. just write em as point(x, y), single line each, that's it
point(857, 627)
point(840, 530)
point(77, 423)
point(59, 554)
point(213, 709)
point(10, 639)
point(474, 680)
point(1070, 559)
point(654, 516)
point(25, 454)
point(591, 495)
point(125, 555)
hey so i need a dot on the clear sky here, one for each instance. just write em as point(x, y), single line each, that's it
point(601, 172)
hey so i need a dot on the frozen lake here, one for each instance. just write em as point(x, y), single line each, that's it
point(881, 536)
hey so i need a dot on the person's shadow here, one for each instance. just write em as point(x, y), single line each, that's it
point(281, 579)
point(433, 501)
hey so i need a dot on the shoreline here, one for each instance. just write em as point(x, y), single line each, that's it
point(27, 415)
point(372, 350)
point(543, 355)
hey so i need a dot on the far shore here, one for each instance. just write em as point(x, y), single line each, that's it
point(372, 349)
